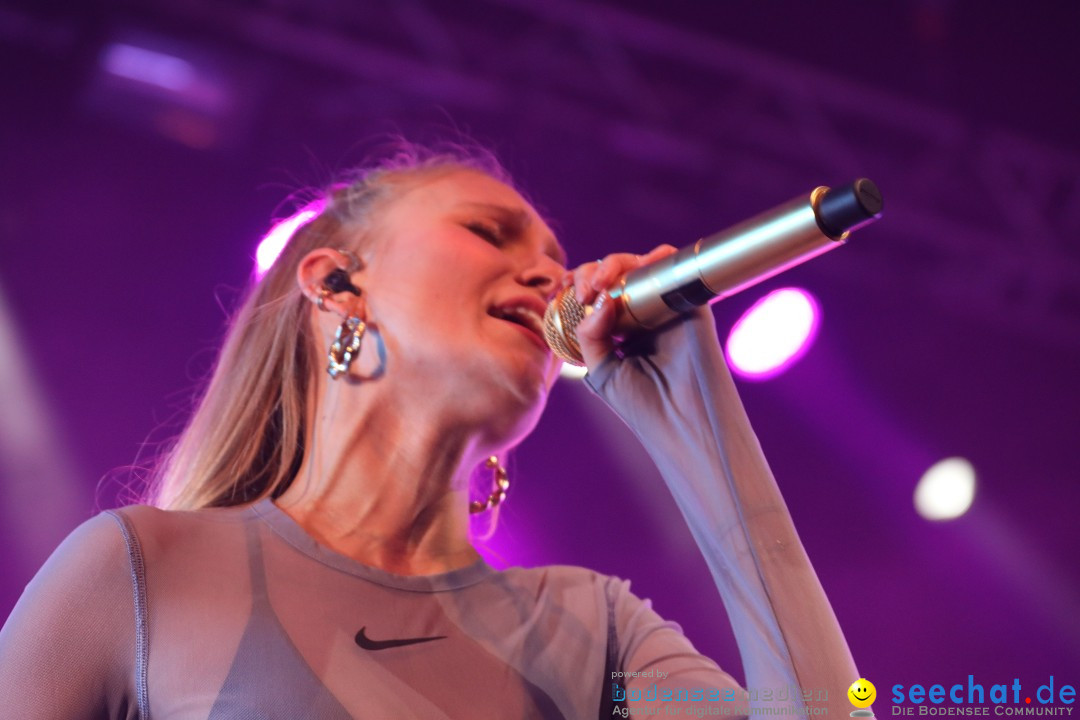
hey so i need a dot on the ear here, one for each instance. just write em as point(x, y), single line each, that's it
point(317, 265)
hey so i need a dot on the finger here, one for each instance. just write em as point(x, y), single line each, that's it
point(658, 253)
point(616, 265)
point(582, 281)
point(612, 268)
point(594, 333)
point(590, 278)
point(567, 278)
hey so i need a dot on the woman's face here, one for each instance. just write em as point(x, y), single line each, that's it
point(460, 272)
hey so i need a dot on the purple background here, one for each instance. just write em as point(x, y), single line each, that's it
point(951, 327)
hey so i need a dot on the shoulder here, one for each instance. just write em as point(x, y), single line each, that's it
point(570, 582)
point(598, 600)
point(161, 535)
point(154, 520)
point(115, 531)
point(65, 650)
point(567, 581)
point(118, 543)
point(564, 576)
point(93, 551)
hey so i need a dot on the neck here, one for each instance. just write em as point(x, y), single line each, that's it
point(385, 486)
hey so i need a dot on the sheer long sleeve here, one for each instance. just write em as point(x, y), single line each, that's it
point(67, 649)
point(679, 399)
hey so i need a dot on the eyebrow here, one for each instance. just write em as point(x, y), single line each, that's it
point(518, 219)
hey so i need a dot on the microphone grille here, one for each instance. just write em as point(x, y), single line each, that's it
point(560, 326)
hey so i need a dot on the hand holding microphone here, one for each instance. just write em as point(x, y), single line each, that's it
point(657, 287)
point(595, 335)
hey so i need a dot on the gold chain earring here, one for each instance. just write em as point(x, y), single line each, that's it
point(502, 484)
point(346, 346)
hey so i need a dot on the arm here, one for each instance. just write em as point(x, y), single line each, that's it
point(657, 661)
point(679, 399)
point(67, 649)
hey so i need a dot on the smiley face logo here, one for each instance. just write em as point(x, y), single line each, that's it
point(862, 693)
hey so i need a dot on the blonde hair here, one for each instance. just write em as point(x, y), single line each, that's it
point(245, 440)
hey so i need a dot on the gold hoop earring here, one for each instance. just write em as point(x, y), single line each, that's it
point(502, 484)
point(346, 346)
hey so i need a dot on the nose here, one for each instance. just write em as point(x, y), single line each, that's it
point(545, 274)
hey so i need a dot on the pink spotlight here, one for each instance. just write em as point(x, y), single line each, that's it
point(275, 240)
point(773, 334)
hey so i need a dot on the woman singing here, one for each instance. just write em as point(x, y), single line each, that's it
point(307, 551)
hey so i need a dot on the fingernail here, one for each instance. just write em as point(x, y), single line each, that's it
point(599, 302)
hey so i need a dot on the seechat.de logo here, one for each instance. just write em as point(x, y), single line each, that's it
point(973, 698)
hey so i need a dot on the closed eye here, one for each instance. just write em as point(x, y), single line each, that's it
point(490, 233)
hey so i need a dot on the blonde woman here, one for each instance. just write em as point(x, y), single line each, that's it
point(307, 552)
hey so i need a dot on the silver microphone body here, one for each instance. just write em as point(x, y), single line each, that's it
point(720, 265)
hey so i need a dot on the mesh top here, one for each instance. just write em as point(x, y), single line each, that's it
point(238, 613)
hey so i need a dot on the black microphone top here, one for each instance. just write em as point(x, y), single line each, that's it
point(848, 208)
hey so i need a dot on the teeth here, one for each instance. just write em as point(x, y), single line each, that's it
point(532, 318)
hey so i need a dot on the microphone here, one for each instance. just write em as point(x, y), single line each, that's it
point(720, 265)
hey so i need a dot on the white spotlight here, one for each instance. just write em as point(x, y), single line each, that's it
point(946, 490)
point(572, 372)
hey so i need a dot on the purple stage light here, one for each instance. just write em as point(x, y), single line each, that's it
point(149, 66)
point(185, 91)
point(274, 241)
point(194, 82)
point(773, 334)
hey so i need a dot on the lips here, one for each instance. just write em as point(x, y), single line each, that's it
point(527, 313)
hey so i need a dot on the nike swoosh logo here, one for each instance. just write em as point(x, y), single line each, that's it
point(368, 644)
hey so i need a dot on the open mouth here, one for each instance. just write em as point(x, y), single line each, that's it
point(524, 317)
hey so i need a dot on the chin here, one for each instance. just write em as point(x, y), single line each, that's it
point(519, 410)
point(530, 373)
point(541, 384)
point(512, 390)
point(511, 434)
